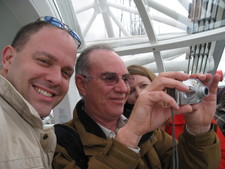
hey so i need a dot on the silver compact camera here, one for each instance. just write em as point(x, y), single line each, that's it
point(194, 95)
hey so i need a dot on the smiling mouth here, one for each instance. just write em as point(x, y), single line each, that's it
point(119, 99)
point(44, 93)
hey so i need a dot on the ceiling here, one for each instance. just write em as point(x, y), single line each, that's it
point(159, 35)
point(162, 35)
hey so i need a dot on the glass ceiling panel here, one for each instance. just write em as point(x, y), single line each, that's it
point(119, 18)
point(108, 19)
point(149, 32)
point(100, 19)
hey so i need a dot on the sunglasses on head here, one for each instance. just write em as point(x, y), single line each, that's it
point(56, 22)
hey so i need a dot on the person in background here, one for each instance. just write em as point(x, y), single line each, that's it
point(109, 140)
point(219, 95)
point(35, 73)
point(180, 122)
point(143, 78)
point(220, 110)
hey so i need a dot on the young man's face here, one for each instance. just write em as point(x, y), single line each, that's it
point(41, 70)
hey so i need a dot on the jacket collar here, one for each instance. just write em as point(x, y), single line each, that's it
point(89, 124)
point(19, 104)
point(92, 127)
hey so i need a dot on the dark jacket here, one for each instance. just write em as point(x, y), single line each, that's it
point(220, 110)
point(201, 152)
point(127, 109)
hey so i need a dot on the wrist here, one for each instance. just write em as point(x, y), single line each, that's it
point(198, 129)
point(127, 138)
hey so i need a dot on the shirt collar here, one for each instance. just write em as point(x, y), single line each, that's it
point(111, 134)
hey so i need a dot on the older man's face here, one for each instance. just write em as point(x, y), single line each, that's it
point(103, 100)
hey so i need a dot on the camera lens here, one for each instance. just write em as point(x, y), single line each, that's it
point(206, 91)
point(203, 91)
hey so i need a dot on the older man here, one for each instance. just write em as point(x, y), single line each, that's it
point(111, 141)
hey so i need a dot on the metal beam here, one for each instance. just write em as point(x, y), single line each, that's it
point(150, 32)
point(189, 40)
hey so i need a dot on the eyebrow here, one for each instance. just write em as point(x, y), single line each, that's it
point(113, 73)
point(51, 57)
point(108, 73)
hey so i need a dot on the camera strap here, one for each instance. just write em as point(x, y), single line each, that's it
point(175, 151)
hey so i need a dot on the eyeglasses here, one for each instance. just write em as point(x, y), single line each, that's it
point(112, 79)
point(60, 24)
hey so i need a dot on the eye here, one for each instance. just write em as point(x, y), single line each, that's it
point(67, 74)
point(110, 78)
point(132, 91)
point(43, 62)
point(143, 86)
point(128, 78)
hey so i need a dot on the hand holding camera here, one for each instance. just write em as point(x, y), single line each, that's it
point(197, 91)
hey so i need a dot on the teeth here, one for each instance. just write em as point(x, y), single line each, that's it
point(43, 92)
point(118, 99)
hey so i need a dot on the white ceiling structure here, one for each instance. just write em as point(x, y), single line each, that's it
point(162, 35)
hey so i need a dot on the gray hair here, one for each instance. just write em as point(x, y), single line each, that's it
point(82, 64)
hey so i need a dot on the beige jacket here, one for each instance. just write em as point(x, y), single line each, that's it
point(24, 141)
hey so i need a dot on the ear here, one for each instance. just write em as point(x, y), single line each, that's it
point(81, 84)
point(8, 55)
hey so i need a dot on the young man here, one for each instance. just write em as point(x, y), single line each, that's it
point(35, 75)
point(111, 141)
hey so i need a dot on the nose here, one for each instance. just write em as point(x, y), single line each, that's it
point(54, 76)
point(121, 86)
